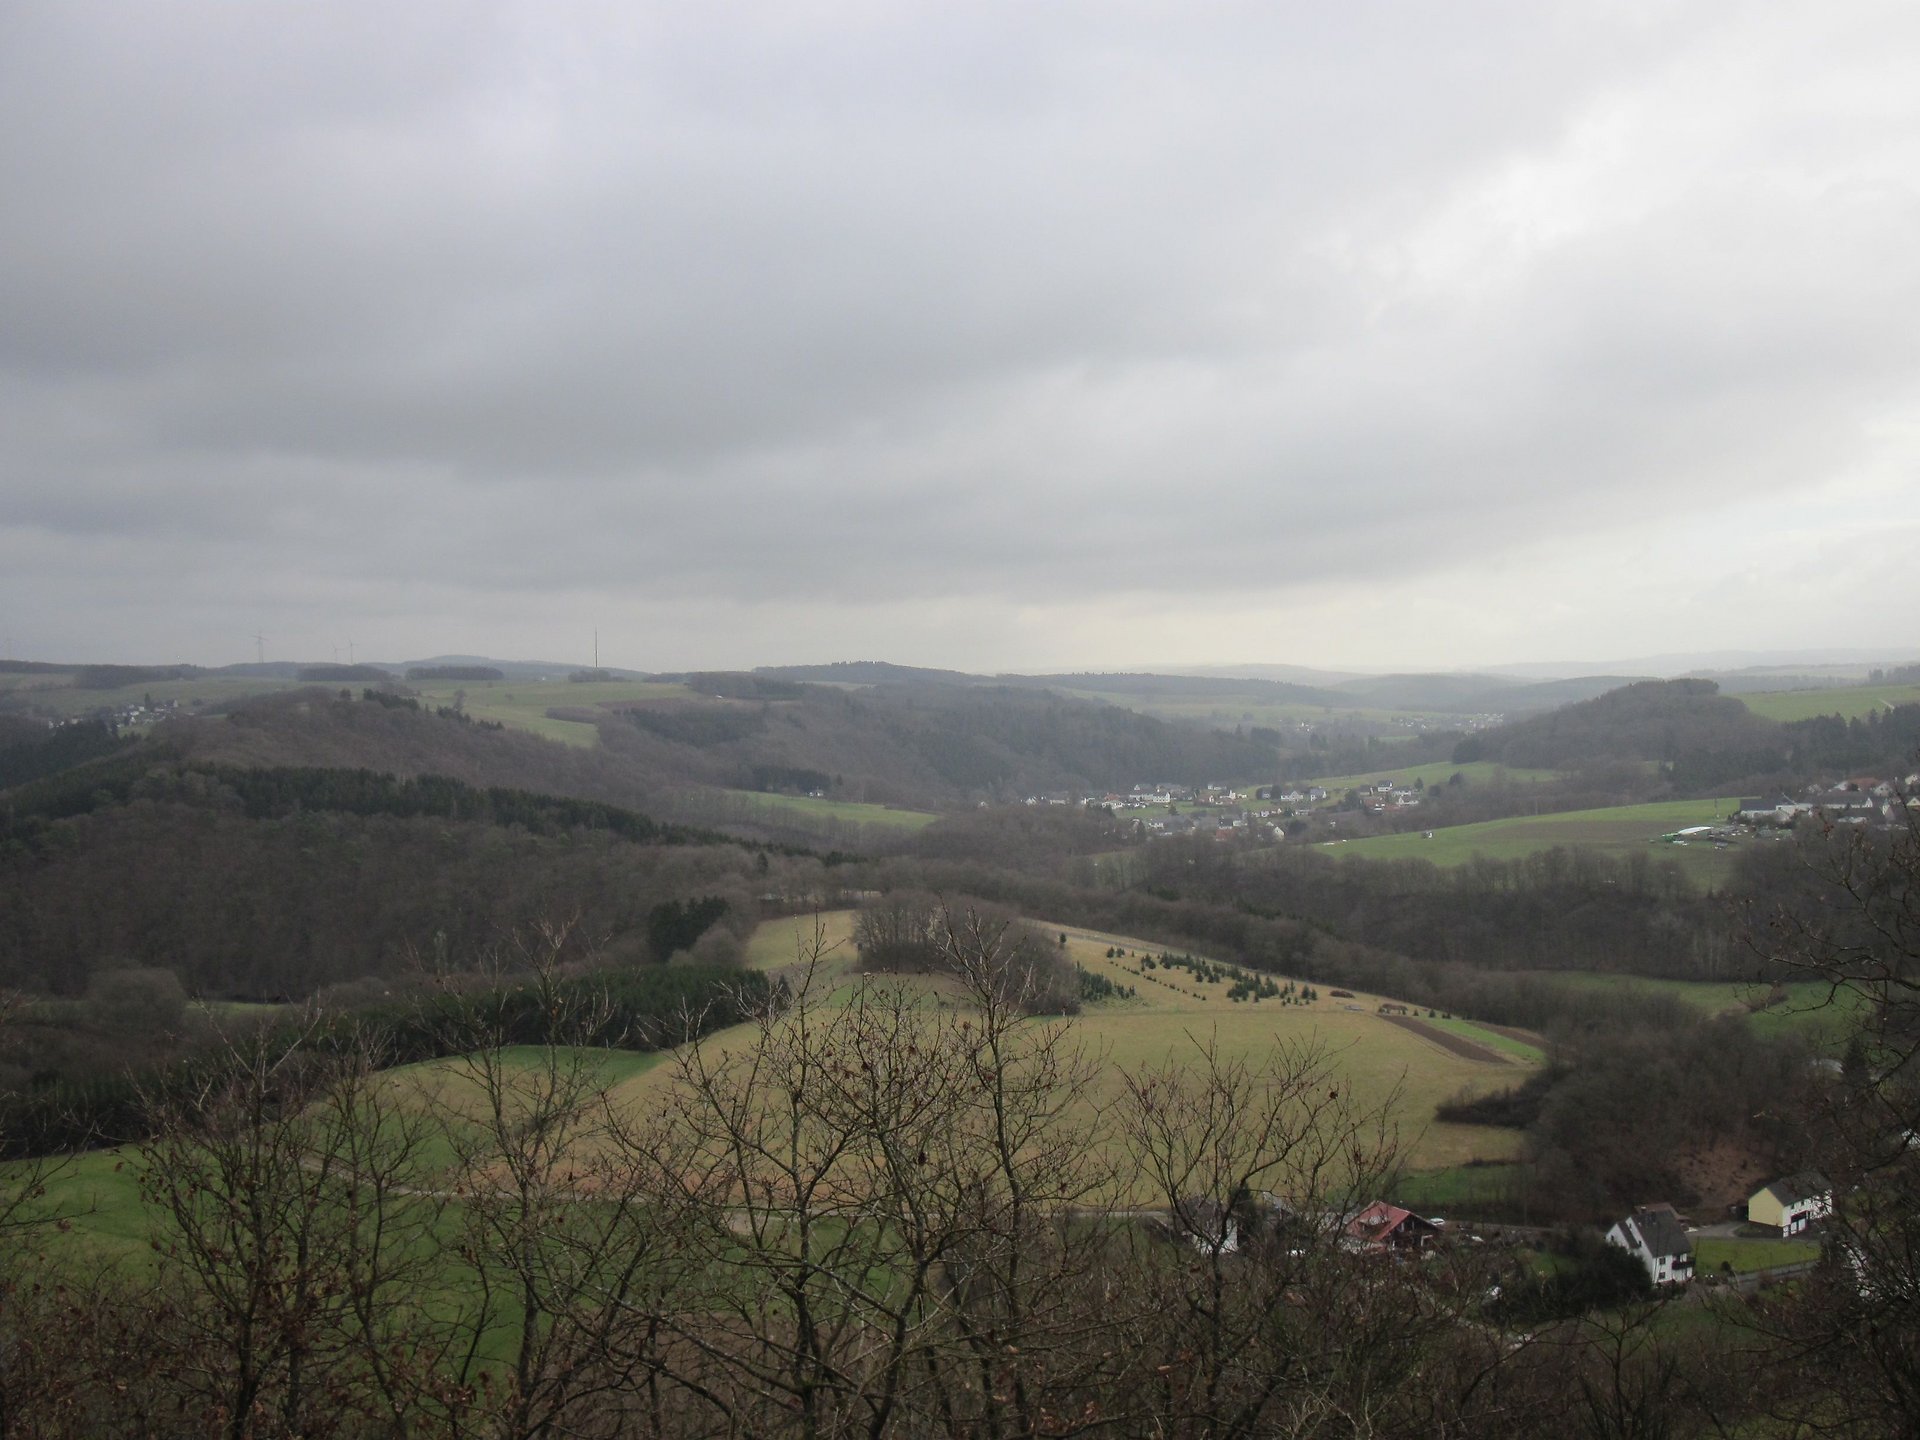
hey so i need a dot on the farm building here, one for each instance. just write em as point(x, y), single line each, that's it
point(1792, 1204)
point(1654, 1236)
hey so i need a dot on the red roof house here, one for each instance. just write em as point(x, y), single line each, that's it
point(1387, 1227)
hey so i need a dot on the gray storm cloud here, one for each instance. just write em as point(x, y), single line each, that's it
point(1024, 305)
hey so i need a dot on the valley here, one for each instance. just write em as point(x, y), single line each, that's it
point(623, 960)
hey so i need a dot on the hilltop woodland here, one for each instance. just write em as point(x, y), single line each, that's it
point(340, 973)
point(1703, 741)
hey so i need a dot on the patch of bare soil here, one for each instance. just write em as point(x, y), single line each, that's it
point(1454, 1044)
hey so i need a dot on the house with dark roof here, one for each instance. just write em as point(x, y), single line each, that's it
point(1792, 1204)
point(1654, 1236)
point(1847, 805)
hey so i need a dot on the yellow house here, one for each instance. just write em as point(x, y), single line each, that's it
point(1792, 1204)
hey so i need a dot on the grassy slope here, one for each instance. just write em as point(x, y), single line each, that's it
point(97, 1195)
point(777, 942)
point(1435, 774)
point(523, 705)
point(99, 1192)
point(1457, 1186)
point(1376, 1058)
point(1744, 1256)
point(1168, 1018)
point(809, 807)
point(1620, 830)
point(1850, 702)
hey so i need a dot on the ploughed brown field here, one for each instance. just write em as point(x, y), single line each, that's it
point(1452, 1044)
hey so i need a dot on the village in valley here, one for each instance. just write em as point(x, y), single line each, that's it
point(1775, 1235)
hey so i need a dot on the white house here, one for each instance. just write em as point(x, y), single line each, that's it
point(1654, 1236)
point(1792, 1204)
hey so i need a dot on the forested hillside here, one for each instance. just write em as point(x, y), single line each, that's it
point(924, 745)
point(1651, 720)
point(326, 729)
point(1704, 738)
point(29, 750)
point(927, 746)
point(243, 892)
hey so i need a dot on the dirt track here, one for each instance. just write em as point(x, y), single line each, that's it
point(1446, 1040)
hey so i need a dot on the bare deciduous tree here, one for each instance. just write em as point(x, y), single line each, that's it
point(289, 1205)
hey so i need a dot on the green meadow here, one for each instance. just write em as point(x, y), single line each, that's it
point(523, 704)
point(1619, 830)
point(1436, 774)
point(1850, 702)
point(1457, 1187)
point(94, 1199)
point(1712, 1254)
point(810, 807)
point(1224, 712)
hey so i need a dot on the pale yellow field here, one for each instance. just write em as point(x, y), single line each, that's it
point(1378, 1061)
point(777, 943)
point(1168, 1019)
point(1376, 1057)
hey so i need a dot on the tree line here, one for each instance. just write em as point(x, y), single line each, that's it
point(642, 1010)
point(270, 882)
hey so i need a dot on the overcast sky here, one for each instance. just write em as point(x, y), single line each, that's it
point(999, 336)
